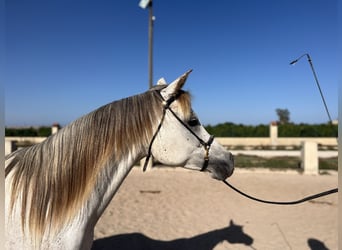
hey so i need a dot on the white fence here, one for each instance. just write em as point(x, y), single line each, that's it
point(307, 145)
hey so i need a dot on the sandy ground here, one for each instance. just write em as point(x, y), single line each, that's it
point(173, 208)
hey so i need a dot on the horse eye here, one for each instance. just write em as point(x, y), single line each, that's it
point(194, 122)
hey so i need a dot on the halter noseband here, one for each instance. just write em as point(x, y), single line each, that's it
point(166, 106)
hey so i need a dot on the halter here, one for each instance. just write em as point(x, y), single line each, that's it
point(206, 145)
point(166, 106)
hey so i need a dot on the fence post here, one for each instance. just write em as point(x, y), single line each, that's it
point(10, 146)
point(309, 155)
point(274, 133)
point(54, 128)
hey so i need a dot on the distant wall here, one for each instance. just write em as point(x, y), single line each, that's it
point(30, 140)
point(12, 143)
point(282, 141)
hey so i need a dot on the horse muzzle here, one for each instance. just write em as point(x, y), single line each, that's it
point(221, 168)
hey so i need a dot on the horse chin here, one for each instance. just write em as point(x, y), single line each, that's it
point(191, 166)
point(218, 172)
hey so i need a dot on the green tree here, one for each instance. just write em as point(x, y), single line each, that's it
point(283, 116)
point(44, 131)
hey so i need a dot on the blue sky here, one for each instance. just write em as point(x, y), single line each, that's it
point(67, 58)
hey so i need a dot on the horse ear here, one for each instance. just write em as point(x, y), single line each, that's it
point(176, 85)
point(161, 81)
point(231, 223)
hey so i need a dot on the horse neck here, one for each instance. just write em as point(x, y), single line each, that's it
point(109, 180)
point(116, 144)
point(85, 163)
point(108, 183)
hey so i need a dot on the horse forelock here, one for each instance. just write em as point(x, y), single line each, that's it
point(55, 178)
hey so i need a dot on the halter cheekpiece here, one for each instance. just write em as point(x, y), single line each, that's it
point(166, 106)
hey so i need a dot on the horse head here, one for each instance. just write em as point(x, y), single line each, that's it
point(181, 140)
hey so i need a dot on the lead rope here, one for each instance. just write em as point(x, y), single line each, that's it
point(311, 197)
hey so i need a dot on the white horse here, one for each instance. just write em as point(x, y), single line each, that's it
point(57, 190)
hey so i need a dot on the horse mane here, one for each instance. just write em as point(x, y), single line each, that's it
point(55, 178)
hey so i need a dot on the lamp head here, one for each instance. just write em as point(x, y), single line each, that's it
point(145, 3)
point(294, 62)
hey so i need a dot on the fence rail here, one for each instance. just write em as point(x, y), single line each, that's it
point(308, 145)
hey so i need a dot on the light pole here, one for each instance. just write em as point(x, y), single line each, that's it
point(316, 79)
point(148, 4)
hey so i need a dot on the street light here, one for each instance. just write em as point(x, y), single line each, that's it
point(148, 4)
point(314, 73)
